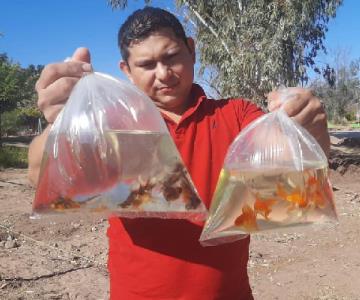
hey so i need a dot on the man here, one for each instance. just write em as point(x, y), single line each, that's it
point(162, 259)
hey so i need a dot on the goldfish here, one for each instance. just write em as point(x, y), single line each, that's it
point(263, 207)
point(247, 219)
point(312, 181)
point(296, 198)
point(318, 199)
point(315, 192)
point(64, 203)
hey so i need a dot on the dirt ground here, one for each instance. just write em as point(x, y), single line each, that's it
point(59, 259)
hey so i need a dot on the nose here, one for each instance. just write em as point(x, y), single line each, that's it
point(163, 72)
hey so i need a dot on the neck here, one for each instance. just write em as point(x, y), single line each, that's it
point(175, 113)
point(175, 116)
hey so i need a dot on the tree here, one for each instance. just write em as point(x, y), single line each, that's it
point(343, 90)
point(9, 83)
point(121, 4)
point(256, 45)
point(17, 95)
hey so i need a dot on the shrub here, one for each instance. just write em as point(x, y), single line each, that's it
point(13, 157)
point(350, 116)
point(10, 122)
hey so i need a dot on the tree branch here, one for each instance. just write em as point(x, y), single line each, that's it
point(207, 25)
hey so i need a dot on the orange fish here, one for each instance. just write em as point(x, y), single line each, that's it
point(312, 181)
point(296, 197)
point(316, 192)
point(64, 203)
point(263, 207)
point(281, 191)
point(247, 219)
point(318, 199)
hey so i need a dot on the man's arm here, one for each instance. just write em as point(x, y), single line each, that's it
point(54, 87)
point(36, 150)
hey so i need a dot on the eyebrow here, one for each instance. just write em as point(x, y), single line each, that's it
point(142, 62)
point(169, 53)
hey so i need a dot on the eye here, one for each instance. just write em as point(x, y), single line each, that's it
point(147, 65)
point(172, 56)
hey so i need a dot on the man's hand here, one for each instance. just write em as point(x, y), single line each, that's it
point(307, 110)
point(57, 81)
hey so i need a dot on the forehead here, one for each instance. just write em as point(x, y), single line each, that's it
point(157, 42)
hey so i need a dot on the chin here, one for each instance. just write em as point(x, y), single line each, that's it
point(169, 104)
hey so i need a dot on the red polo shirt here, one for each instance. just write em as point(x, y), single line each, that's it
point(162, 259)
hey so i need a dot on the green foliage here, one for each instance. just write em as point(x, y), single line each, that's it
point(257, 45)
point(10, 122)
point(350, 116)
point(121, 4)
point(9, 83)
point(18, 119)
point(341, 97)
point(17, 95)
point(13, 157)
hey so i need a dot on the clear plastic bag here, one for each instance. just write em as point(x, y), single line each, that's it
point(109, 151)
point(275, 175)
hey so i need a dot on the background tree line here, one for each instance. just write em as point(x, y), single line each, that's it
point(340, 88)
point(18, 97)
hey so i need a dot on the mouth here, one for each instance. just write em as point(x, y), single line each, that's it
point(168, 89)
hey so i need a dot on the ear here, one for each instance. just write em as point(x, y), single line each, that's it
point(126, 69)
point(191, 46)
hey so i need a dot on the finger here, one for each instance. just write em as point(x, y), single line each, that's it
point(52, 112)
point(56, 93)
point(273, 96)
point(317, 125)
point(81, 54)
point(53, 72)
point(273, 105)
point(308, 114)
point(273, 100)
point(295, 105)
point(285, 95)
point(318, 129)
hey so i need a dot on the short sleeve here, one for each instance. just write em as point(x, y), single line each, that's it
point(246, 112)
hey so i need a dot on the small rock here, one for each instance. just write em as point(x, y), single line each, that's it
point(76, 225)
point(9, 244)
point(73, 248)
point(93, 229)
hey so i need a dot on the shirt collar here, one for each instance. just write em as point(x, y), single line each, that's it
point(197, 96)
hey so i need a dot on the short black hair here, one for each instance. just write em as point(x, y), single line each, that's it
point(142, 23)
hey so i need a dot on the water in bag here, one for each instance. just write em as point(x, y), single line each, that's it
point(275, 175)
point(110, 151)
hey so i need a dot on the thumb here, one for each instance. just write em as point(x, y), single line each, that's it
point(273, 100)
point(81, 54)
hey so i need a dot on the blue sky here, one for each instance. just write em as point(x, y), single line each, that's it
point(43, 31)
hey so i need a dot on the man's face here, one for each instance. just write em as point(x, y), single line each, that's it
point(162, 66)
